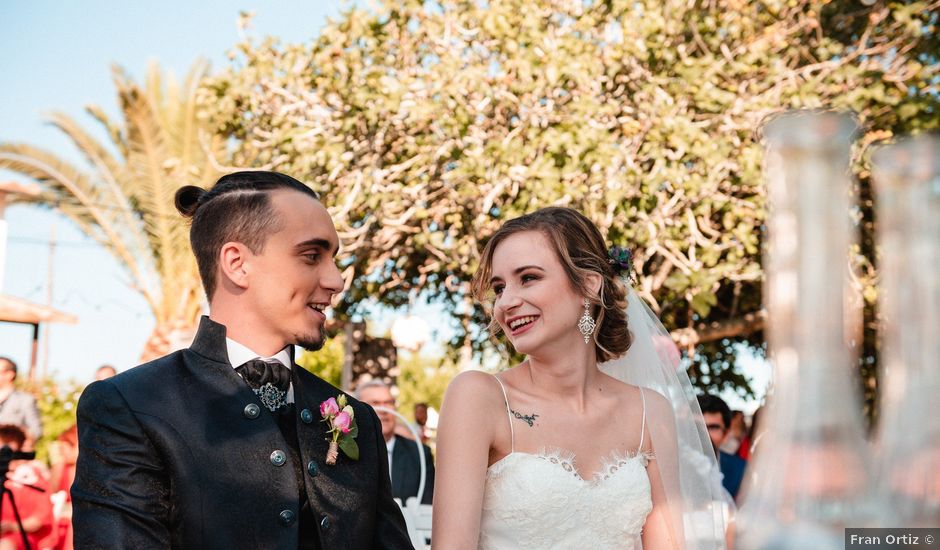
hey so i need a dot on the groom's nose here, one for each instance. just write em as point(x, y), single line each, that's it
point(333, 279)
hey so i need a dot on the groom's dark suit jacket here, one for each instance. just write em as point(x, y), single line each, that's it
point(406, 470)
point(176, 454)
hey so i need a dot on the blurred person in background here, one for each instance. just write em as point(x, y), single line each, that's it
point(104, 372)
point(421, 419)
point(18, 407)
point(737, 430)
point(717, 420)
point(27, 483)
point(403, 461)
point(63, 454)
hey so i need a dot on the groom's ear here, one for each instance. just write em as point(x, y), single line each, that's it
point(233, 257)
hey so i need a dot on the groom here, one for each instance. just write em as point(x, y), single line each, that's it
point(221, 445)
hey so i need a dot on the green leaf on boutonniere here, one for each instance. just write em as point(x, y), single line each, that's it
point(349, 446)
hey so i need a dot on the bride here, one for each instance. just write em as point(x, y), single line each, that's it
point(583, 443)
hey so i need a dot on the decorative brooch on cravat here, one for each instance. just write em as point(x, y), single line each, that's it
point(269, 381)
point(341, 420)
point(271, 397)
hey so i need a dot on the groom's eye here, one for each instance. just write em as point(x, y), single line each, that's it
point(312, 257)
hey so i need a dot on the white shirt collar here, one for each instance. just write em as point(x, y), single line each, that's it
point(239, 354)
point(390, 446)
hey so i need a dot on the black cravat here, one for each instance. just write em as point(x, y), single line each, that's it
point(269, 380)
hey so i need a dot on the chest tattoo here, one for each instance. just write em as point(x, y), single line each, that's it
point(527, 418)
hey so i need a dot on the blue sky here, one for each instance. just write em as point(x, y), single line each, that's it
point(57, 55)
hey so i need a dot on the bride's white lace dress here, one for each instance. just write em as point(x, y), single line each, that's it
point(539, 501)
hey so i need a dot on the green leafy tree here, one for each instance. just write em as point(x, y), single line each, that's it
point(327, 362)
point(57, 404)
point(423, 379)
point(427, 124)
point(123, 197)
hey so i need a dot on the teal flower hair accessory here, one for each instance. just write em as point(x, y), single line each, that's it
point(621, 259)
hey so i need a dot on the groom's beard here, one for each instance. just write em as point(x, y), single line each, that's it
point(310, 342)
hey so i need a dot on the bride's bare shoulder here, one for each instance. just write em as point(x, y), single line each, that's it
point(656, 403)
point(474, 388)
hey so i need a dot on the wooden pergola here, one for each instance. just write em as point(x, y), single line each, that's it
point(18, 310)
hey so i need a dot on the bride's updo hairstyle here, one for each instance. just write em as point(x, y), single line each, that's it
point(236, 209)
point(581, 250)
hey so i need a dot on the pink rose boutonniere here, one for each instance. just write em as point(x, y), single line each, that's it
point(341, 420)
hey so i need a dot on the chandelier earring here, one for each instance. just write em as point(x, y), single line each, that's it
point(586, 324)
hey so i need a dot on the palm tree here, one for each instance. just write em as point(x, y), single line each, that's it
point(123, 199)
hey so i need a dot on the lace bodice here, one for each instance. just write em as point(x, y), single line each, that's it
point(540, 501)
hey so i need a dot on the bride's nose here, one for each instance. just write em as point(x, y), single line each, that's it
point(508, 300)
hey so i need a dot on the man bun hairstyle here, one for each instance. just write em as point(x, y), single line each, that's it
point(187, 199)
point(579, 246)
point(236, 209)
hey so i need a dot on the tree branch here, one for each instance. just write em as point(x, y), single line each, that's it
point(709, 332)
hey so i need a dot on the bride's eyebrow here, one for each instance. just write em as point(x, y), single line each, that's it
point(516, 271)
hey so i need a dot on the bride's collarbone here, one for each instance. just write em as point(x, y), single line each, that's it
point(589, 436)
point(540, 411)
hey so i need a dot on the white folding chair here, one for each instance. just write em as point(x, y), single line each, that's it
point(417, 515)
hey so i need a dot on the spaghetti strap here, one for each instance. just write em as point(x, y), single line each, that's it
point(643, 425)
point(512, 433)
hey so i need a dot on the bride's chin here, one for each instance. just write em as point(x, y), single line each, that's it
point(524, 348)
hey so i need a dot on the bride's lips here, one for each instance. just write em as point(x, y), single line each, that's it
point(524, 327)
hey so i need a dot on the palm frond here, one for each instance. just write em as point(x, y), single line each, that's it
point(86, 223)
point(114, 131)
point(125, 202)
point(149, 162)
point(154, 135)
point(68, 188)
point(186, 117)
point(108, 171)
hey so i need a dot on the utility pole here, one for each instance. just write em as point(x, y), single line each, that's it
point(49, 281)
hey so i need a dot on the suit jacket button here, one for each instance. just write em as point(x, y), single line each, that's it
point(278, 458)
point(252, 411)
point(286, 517)
point(312, 468)
point(306, 416)
point(325, 523)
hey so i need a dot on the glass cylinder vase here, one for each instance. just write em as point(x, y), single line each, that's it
point(907, 181)
point(809, 476)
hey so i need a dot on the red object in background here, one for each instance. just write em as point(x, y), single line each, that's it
point(31, 504)
point(63, 474)
point(744, 451)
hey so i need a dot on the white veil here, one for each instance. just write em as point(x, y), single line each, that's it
point(698, 504)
